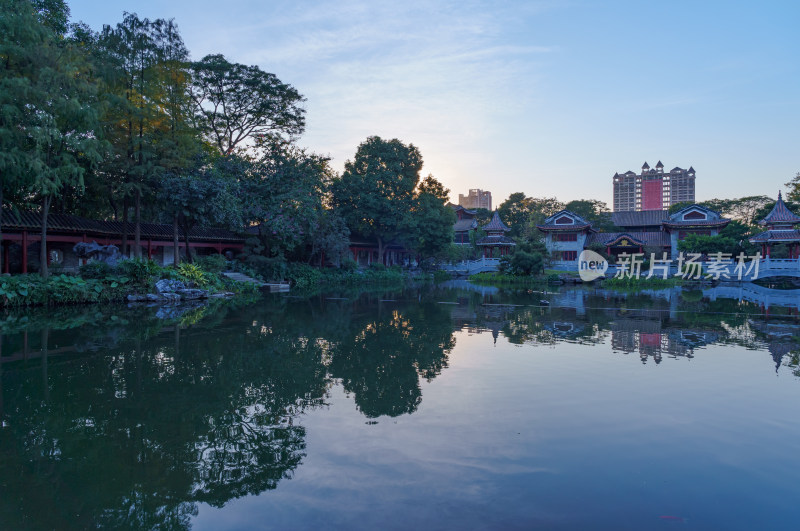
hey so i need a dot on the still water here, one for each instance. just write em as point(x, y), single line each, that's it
point(449, 407)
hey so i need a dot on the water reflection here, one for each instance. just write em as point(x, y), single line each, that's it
point(130, 417)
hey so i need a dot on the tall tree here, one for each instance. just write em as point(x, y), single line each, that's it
point(55, 107)
point(429, 224)
point(376, 190)
point(134, 55)
point(236, 103)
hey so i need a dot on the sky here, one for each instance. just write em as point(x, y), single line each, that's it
point(548, 98)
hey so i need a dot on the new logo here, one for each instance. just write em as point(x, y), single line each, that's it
point(591, 266)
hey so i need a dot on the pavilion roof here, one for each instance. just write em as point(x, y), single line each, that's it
point(496, 225)
point(496, 239)
point(780, 214)
point(790, 235)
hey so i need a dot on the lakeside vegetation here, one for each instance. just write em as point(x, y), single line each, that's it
point(99, 282)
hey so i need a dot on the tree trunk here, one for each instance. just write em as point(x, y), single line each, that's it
point(124, 249)
point(137, 231)
point(176, 252)
point(380, 250)
point(43, 251)
point(186, 239)
point(1, 218)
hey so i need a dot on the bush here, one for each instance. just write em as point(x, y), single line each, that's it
point(441, 276)
point(267, 268)
point(348, 264)
point(214, 263)
point(191, 273)
point(95, 270)
point(142, 272)
point(304, 275)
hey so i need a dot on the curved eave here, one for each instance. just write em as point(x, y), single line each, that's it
point(696, 225)
point(546, 228)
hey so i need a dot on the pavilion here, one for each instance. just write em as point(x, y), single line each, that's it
point(495, 237)
point(780, 224)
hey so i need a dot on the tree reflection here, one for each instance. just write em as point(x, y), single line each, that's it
point(382, 362)
point(131, 423)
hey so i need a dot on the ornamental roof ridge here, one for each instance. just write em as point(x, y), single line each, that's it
point(780, 213)
point(496, 224)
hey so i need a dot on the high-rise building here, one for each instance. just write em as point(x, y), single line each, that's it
point(476, 198)
point(653, 189)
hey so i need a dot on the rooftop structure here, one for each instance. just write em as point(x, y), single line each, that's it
point(495, 237)
point(780, 224)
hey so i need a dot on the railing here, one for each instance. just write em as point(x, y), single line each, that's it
point(470, 267)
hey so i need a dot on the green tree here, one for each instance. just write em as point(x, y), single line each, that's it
point(235, 103)
point(54, 106)
point(144, 66)
point(205, 197)
point(595, 212)
point(794, 188)
point(515, 212)
point(376, 190)
point(428, 226)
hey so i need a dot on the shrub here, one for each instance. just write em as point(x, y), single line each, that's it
point(192, 273)
point(348, 264)
point(141, 272)
point(95, 270)
point(214, 263)
point(303, 275)
point(441, 276)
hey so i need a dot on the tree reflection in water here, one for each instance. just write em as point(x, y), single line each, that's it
point(122, 418)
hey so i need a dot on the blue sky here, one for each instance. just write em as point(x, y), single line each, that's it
point(548, 98)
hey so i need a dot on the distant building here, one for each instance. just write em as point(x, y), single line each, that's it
point(653, 189)
point(476, 199)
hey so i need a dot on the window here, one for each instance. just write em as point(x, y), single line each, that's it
point(564, 220)
point(694, 214)
point(567, 256)
point(571, 237)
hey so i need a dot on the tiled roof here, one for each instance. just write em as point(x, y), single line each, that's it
point(777, 236)
point(496, 239)
point(553, 227)
point(639, 219)
point(496, 224)
point(65, 223)
point(465, 224)
point(697, 223)
point(781, 214)
point(646, 238)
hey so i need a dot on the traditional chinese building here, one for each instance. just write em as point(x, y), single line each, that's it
point(567, 234)
point(495, 238)
point(464, 225)
point(780, 224)
point(22, 240)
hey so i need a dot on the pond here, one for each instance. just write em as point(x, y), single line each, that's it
point(435, 407)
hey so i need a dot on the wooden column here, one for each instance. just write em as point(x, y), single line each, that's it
point(149, 249)
point(6, 247)
point(24, 251)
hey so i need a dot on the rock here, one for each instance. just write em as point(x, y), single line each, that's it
point(221, 295)
point(192, 294)
point(153, 297)
point(171, 296)
point(135, 297)
point(166, 285)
